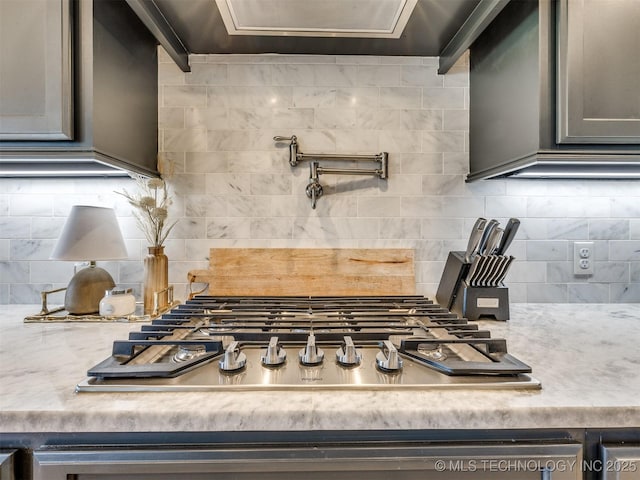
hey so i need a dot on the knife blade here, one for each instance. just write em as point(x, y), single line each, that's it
point(509, 233)
point(474, 239)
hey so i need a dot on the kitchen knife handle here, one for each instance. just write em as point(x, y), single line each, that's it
point(485, 236)
point(493, 241)
point(509, 233)
point(474, 238)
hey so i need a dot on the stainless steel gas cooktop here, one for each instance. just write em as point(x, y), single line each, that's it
point(267, 343)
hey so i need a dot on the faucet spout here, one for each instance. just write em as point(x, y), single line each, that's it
point(314, 189)
point(314, 192)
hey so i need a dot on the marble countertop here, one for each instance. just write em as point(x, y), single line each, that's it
point(586, 357)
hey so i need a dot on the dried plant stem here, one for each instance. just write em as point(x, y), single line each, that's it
point(151, 205)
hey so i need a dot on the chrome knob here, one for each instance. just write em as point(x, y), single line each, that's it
point(348, 355)
point(388, 359)
point(233, 359)
point(311, 355)
point(274, 355)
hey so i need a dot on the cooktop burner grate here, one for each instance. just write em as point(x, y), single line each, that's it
point(211, 343)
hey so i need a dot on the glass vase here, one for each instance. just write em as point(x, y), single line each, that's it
point(156, 280)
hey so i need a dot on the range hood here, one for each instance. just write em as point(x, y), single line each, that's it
point(317, 18)
point(115, 119)
point(425, 28)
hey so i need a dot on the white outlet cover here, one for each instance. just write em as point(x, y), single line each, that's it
point(583, 262)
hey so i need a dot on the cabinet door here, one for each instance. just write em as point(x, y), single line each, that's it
point(470, 462)
point(598, 90)
point(35, 70)
point(620, 463)
point(6, 465)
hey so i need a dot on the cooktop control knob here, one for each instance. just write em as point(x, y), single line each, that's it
point(233, 359)
point(348, 355)
point(274, 355)
point(388, 359)
point(311, 355)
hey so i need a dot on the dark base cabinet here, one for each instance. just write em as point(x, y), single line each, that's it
point(7, 468)
point(620, 462)
point(575, 454)
point(314, 463)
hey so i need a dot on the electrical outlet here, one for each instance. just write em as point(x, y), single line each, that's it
point(583, 254)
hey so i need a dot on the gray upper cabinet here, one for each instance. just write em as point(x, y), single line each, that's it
point(114, 88)
point(35, 70)
point(598, 71)
point(554, 91)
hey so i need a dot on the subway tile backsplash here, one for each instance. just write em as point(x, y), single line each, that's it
point(233, 187)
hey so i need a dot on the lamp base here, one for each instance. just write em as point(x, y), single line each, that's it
point(86, 289)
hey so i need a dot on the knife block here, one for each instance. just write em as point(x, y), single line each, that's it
point(455, 270)
point(456, 295)
point(474, 303)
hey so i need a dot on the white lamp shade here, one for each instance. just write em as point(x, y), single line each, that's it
point(90, 233)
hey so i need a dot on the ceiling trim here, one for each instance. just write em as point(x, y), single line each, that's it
point(480, 18)
point(149, 13)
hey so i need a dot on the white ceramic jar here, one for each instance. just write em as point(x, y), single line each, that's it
point(117, 302)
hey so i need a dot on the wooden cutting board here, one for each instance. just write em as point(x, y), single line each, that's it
point(308, 271)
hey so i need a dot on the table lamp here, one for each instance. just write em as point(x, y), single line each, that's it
point(89, 234)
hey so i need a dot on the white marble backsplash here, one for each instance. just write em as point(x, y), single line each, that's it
point(232, 186)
